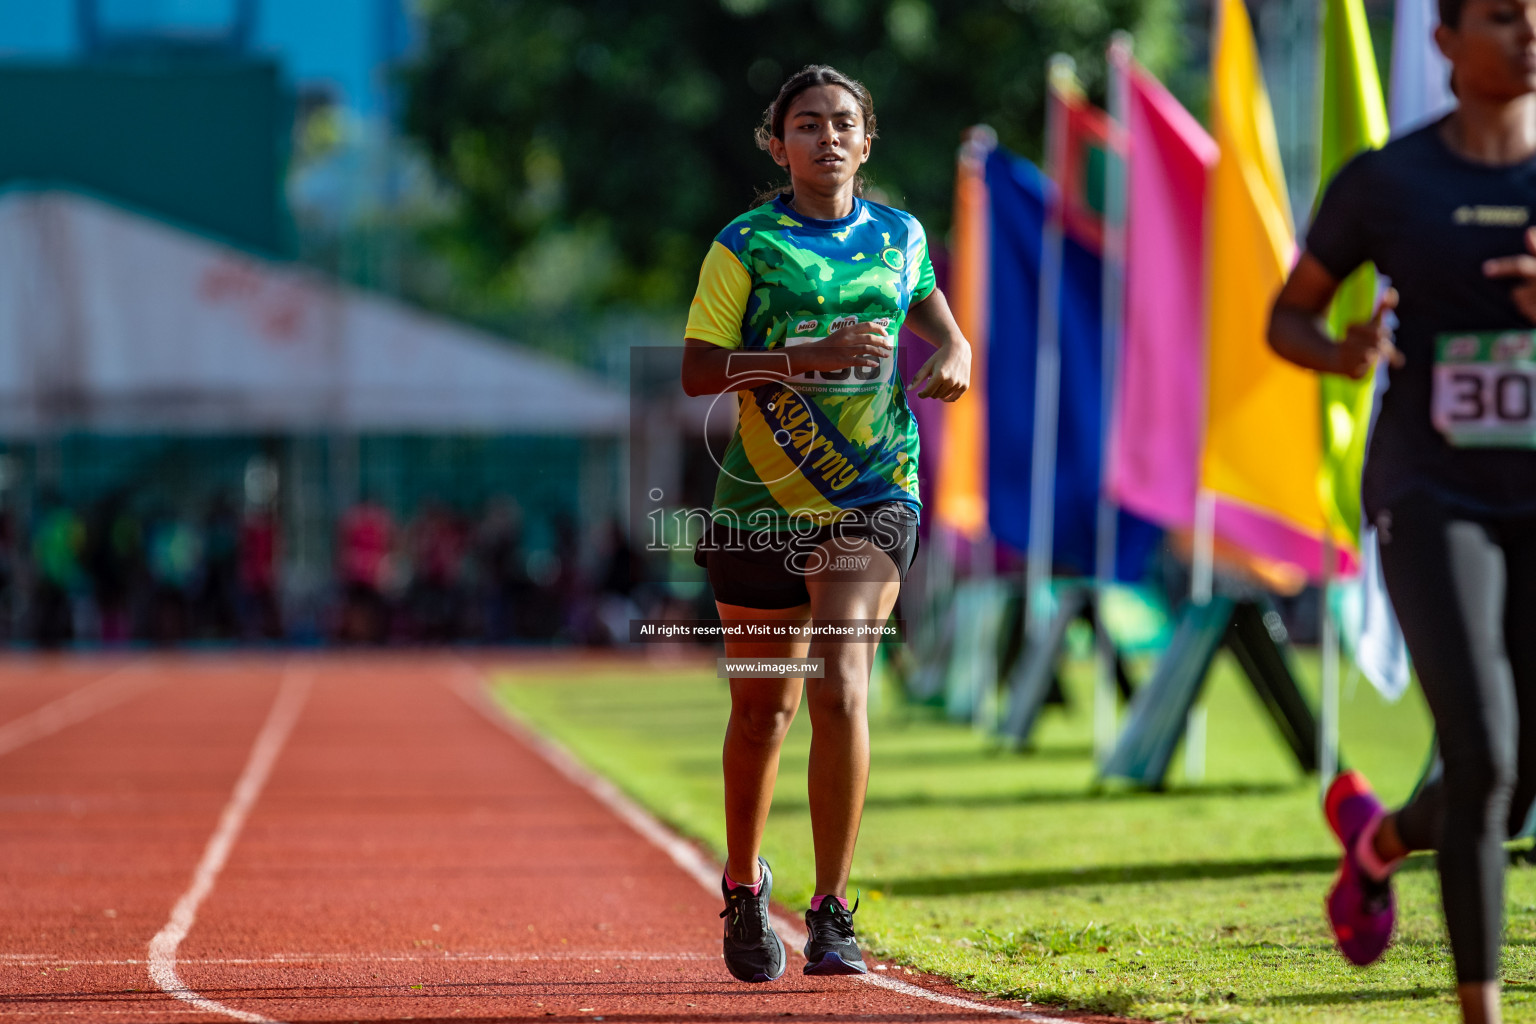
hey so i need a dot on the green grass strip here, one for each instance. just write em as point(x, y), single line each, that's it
point(1009, 874)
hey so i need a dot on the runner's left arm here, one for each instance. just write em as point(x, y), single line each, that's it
point(1340, 239)
point(947, 372)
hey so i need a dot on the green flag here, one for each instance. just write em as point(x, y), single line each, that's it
point(1354, 118)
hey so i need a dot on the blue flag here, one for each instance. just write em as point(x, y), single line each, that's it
point(1018, 209)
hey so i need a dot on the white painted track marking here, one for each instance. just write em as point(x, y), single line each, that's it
point(72, 708)
point(471, 687)
point(269, 743)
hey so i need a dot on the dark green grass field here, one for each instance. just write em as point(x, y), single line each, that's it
point(1009, 874)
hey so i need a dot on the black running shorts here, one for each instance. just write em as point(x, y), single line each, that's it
point(767, 570)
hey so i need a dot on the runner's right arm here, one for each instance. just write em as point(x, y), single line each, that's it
point(1337, 243)
point(709, 368)
point(1298, 330)
point(713, 361)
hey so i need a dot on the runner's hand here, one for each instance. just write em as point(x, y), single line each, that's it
point(1364, 345)
point(863, 344)
point(1522, 269)
point(947, 372)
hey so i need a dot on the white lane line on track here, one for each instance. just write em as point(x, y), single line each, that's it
point(269, 743)
point(91, 699)
point(471, 687)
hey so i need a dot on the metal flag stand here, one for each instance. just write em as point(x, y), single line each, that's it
point(1033, 682)
point(1250, 628)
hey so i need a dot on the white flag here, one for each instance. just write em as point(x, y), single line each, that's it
point(1421, 76)
point(1379, 647)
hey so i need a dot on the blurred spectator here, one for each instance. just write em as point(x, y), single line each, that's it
point(113, 556)
point(498, 547)
point(57, 541)
point(258, 574)
point(436, 600)
point(553, 602)
point(10, 569)
point(218, 599)
point(175, 571)
point(625, 570)
point(366, 533)
point(622, 573)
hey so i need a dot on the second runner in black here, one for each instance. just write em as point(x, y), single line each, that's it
point(1446, 213)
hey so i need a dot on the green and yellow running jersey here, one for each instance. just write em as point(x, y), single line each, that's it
point(822, 442)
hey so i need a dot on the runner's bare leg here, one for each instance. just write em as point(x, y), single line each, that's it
point(761, 712)
point(838, 702)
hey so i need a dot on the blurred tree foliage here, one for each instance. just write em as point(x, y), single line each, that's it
point(597, 147)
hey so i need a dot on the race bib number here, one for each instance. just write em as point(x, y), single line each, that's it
point(850, 380)
point(1485, 389)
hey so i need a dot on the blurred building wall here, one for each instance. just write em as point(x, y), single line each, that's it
point(345, 46)
point(203, 145)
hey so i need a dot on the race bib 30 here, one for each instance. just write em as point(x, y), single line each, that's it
point(1485, 389)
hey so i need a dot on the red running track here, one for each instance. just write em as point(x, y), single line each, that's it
point(390, 851)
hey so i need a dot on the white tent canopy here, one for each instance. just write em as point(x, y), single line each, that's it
point(116, 323)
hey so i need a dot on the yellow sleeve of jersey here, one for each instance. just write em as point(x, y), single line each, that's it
point(721, 301)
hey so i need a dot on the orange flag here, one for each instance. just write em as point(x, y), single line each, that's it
point(960, 482)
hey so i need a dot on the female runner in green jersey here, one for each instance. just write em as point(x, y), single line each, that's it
point(799, 305)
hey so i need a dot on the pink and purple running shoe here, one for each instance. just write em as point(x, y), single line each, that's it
point(1361, 909)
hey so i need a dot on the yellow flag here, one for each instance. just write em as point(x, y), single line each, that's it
point(1354, 118)
point(1263, 446)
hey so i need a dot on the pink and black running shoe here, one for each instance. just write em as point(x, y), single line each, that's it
point(1361, 909)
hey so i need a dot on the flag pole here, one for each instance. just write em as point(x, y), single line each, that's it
point(1042, 489)
point(1202, 556)
point(1328, 731)
point(1105, 695)
point(1202, 567)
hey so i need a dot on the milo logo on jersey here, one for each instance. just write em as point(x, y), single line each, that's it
point(1462, 348)
point(1486, 347)
point(850, 380)
point(1513, 347)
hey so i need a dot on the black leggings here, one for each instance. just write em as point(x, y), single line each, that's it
point(1465, 592)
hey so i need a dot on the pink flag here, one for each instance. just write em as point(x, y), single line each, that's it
point(1155, 447)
